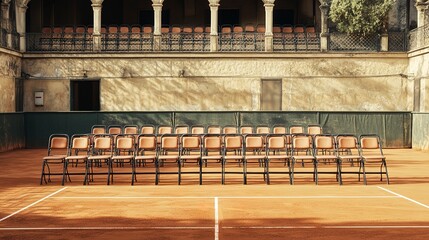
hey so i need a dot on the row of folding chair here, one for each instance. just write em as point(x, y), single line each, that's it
point(221, 149)
point(212, 129)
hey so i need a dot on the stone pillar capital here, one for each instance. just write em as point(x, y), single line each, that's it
point(214, 3)
point(97, 3)
point(22, 3)
point(157, 2)
point(268, 2)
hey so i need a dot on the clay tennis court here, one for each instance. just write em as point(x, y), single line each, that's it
point(214, 211)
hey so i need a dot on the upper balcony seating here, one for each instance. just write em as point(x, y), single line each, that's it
point(173, 38)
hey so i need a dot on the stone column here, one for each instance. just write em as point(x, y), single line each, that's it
point(269, 6)
point(157, 15)
point(384, 39)
point(214, 36)
point(5, 24)
point(324, 32)
point(96, 35)
point(422, 10)
point(21, 9)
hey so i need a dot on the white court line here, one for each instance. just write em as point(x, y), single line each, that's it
point(101, 228)
point(216, 209)
point(330, 227)
point(229, 197)
point(407, 198)
point(36, 202)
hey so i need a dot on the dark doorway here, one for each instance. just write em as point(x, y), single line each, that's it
point(146, 18)
point(229, 17)
point(85, 95)
point(283, 17)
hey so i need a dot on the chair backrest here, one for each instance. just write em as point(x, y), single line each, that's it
point(176, 30)
point(279, 130)
point(246, 130)
point(198, 30)
point(125, 142)
point(214, 130)
point(261, 29)
point(147, 129)
point(80, 30)
point(58, 143)
point(249, 28)
point(147, 29)
point(181, 130)
point(135, 29)
point(113, 29)
point(298, 29)
point(287, 29)
point(114, 129)
point(191, 142)
point(68, 30)
point(102, 142)
point(233, 142)
point(310, 29)
point(296, 129)
point(369, 142)
point(80, 142)
point(314, 129)
point(165, 130)
point(147, 142)
point(347, 142)
point(276, 142)
point(229, 130)
point(46, 30)
point(131, 129)
point(169, 142)
point(226, 29)
point(187, 30)
point(165, 29)
point(263, 130)
point(124, 29)
point(212, 142)
point(98, 129)
point(253, 142)
point(301, 142)
point(238, 29)
point(197, 130)
point(324, 142)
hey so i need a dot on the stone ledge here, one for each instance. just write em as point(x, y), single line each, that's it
point(224, 55)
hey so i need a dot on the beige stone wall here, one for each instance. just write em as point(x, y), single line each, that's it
point(10, 67)
point(335, 82)
point(56, 93)
point(419, 71)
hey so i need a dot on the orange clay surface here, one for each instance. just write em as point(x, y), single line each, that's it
point(213, 211)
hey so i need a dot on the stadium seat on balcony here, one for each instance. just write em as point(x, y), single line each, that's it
point(45, 41)
point(214, 129)
point(300, 38)
point(57, 35)
point(147, 38)
point(124, 38)
point(226, 43)
point(68, 39)
point(80, 38)
point(147, 129)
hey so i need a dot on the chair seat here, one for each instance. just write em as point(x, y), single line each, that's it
point(373, 157)
point(55, 157)
point(349, 157)
point(124, 157)
point(168, 157)
point(76, 157)
point(254, 157)
point(326, 157)
point(99, 157)
point(145, 157)
point(282, 156)
point(303, 157)
point(212, 157)
point(231, 157)
point(193, 157)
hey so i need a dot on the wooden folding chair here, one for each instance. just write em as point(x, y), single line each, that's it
point(124, 153)
point(254, 152)
point(101, 152)
point(78, 153)
point(348, 152)
point(302, 150)
point(211, 153)
point(146, 154)
point(233, 152)
point(325, 150)
point(168, 152)
point(191, 151)
point(277, 152)
point(371, 152)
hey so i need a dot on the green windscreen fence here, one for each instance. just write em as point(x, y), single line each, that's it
point(393, 127)
point(12, 134)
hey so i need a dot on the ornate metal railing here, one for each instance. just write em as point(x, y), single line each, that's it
point(15, 40)
point(241, 42)
point(296, 42)
point(70, 42)
point(346, 42)
point(398, 41)
point(185, 42)
point(127, 42)
point(418, 38)
point(3, 38)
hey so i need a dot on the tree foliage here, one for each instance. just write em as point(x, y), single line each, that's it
point(360, 17)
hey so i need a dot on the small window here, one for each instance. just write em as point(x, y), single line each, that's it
point(85, 95)
point(271, 95)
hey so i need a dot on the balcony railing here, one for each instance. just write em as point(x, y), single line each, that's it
point(419, 38)
point(197, 39)
point(185, 42)
point(58, 42)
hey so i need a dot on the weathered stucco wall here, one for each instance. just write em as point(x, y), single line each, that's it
point(10, 67)
point(340, 82)
point(419, 73)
